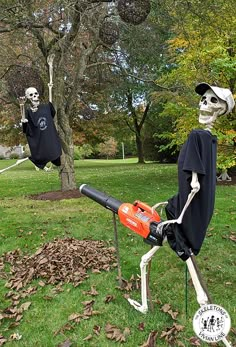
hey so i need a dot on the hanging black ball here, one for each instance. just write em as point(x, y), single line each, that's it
point(133, 11)
point(109, 32)
point(19, 78)
point(87, 113)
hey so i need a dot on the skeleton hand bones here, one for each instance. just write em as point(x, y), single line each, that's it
point(22, 101)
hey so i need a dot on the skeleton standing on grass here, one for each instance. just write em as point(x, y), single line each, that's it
point(189, 212)
point(38, 125)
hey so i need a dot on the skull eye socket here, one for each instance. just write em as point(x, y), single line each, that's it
point(31, 94)
point(214, 100)
point(203, 98)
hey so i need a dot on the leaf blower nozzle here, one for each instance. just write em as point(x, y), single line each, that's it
point(138, 217)
point(101, 198)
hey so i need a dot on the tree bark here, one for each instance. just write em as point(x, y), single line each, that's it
point(137, 126)
point(66, 173)
point(139, 145)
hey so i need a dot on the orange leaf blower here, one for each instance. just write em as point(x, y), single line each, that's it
point(139, 217)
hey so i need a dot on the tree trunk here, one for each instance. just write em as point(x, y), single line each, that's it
point(67, 173)
point(139, 145)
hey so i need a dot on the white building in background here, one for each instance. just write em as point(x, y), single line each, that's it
point(7, 151)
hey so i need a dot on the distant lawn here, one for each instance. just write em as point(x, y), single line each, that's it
point(27, 224)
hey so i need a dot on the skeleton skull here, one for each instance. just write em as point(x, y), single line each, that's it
point(215, 102)
point(211, 107)
point(32, 95)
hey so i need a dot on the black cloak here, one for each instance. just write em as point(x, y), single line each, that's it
point(198, 154)
point(42, 136)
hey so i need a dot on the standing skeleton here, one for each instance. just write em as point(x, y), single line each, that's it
point(214, 102)
point(38, 125)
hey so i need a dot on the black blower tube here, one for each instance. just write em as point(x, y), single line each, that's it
point(101, 198)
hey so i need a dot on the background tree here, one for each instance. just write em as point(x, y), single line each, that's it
point(71, 31)
point(202, 48)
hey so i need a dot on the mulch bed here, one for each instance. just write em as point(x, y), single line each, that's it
point(58, 195)
point(228, 183)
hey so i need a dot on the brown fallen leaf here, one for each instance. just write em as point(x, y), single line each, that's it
point(96, 329)
point(66, 343)
point(75, 317)
point(109, 298)
point(170, 334)
point(25, 306)
point(194, 341)
point(114, 333)
point(141, 326)
point(151, 341)
point(167, 309)
point(2, 340)
point(232, 238)
point(92, 291)
point(89, 337)
point(66, 327)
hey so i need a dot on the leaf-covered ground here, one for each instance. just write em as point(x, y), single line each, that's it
point(58, 275)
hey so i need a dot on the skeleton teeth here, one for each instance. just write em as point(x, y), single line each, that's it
point(205, 112)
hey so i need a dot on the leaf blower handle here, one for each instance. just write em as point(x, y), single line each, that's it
point(101, 198)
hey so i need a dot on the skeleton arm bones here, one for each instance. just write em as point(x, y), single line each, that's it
point(22, 101)
point(195, 185)
point(50, 84)
point(201, 295)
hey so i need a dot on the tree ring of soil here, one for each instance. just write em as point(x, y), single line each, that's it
point(57, 195)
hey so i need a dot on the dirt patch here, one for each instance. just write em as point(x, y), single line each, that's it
point(58, 195)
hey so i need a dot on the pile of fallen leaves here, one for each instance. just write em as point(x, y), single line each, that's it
point(63, 260)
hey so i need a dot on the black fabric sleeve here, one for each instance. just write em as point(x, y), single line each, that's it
point(193, 157)
point(52, 109)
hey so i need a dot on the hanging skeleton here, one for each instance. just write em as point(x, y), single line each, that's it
point(39, 128)
point(190, 211)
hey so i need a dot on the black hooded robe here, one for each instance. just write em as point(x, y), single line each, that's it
point(42, 136)
point(198, 154)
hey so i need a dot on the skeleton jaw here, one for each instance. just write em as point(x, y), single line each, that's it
point(34, 105)
point(206, 117)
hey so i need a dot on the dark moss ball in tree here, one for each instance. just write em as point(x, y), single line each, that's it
point(19, 78)
point(133, 11)
point(109, 32)
point(87, 113)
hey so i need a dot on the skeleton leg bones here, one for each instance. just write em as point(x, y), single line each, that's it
point(202, 297)
point(143, 308)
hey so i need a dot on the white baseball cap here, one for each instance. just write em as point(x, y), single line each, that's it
point(222, 93)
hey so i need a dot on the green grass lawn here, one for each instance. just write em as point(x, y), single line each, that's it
point(26, 224)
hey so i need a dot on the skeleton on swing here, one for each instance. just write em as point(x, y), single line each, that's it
point(39, 128)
